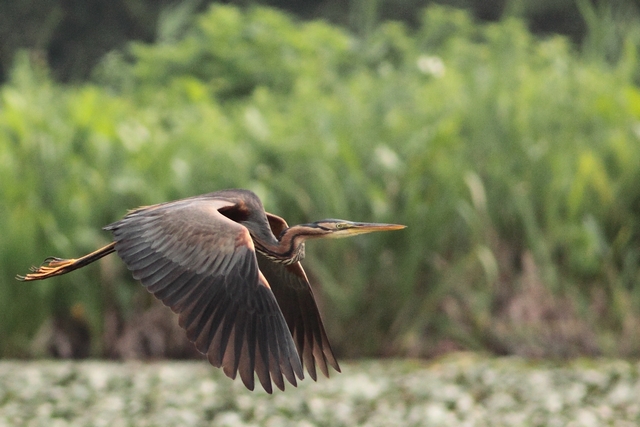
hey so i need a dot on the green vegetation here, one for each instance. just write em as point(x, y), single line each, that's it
point(74, 38)
point(514, 161)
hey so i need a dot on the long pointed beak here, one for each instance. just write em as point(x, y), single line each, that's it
point(370, 227)
point(374, 226)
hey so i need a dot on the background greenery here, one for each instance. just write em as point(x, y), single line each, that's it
point(513, 159)
point(72, 35)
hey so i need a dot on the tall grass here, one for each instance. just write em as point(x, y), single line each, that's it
point(513, 160)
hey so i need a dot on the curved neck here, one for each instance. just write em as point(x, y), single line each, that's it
point(288, 247)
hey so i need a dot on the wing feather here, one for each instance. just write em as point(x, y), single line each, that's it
point(246, 362)
point(203, 266)
point(262, 358)
point(274, 357)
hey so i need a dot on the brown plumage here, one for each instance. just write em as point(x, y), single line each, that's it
point(231, 272)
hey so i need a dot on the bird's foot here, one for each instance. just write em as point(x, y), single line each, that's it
point(51, 266)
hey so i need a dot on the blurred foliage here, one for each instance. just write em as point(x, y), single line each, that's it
point(72, 35)
point(513, 161)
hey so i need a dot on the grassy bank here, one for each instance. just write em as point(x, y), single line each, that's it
point(460, 390)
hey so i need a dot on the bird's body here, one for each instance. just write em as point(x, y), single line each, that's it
point(232, 273)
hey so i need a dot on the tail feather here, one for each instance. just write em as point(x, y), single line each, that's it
point(53, 266)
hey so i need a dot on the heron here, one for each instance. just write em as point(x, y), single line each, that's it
point(231, 272)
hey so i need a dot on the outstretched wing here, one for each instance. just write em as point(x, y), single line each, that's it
point(291, 288)
point(203, 266)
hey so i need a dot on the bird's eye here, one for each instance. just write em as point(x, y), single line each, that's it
point(340, 225)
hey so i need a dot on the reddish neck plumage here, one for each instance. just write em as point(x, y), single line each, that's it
point(288, 248)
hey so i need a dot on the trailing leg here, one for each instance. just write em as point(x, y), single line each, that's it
point(53, 266)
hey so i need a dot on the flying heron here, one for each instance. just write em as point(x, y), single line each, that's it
point(232, 273)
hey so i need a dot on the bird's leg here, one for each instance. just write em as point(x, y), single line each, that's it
point(54, 266)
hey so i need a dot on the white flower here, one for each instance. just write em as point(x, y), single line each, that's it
point(431, 65)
